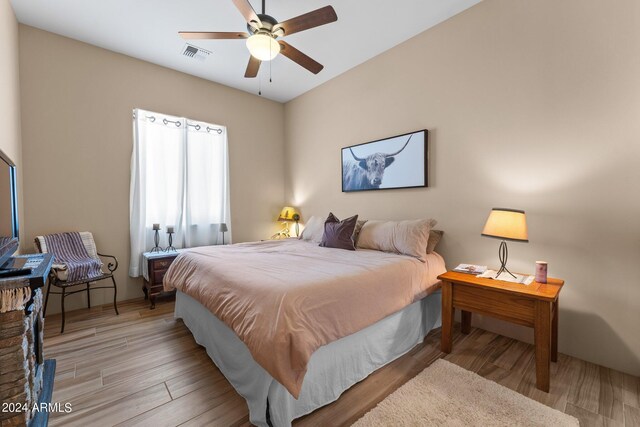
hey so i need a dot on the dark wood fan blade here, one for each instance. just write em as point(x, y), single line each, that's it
point(247, 11)
point(324, 15)
point(300, 58)
point(211, 35)
point(252, 67)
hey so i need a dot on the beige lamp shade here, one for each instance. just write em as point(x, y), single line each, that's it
point(288, 213)
point(507, 224)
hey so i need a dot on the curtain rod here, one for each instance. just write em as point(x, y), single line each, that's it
point(178, 123)
point(209, 129)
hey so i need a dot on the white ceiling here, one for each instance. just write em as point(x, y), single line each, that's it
point(148, 30)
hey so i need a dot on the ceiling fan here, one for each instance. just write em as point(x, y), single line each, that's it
point(264, 31)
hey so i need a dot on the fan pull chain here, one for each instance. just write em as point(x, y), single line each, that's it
point(270, 64)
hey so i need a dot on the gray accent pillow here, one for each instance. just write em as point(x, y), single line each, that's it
point(401, 237)
point(339, 234)
point(434, 239)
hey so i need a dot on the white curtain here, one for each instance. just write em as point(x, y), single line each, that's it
point(179, 178)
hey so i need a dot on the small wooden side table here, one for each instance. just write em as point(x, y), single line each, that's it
point(534, 305)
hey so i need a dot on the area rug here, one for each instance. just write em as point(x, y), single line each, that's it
point(445, 394)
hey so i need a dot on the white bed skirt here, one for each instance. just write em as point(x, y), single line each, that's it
point(332, 369)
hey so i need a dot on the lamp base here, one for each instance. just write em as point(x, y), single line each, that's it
point(503, 254)
point(279, 235)
point(282, 234)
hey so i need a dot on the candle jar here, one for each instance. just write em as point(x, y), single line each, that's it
point(541, 271)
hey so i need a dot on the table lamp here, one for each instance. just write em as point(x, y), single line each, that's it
point(223, 229)
point(288, 214)
point(506, 224)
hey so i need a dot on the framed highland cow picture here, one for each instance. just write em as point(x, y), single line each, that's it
point(396, 162)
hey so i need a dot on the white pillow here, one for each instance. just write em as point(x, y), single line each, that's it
point(313, 230)
point(401, 237)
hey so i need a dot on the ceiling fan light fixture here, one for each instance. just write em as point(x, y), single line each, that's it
point(263, 46)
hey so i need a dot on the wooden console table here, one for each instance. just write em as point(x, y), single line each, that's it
point(534, 305)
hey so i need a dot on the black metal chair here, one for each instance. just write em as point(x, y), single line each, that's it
point(58, 275)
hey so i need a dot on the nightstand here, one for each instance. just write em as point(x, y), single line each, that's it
point(534, 305)
point(155, 266)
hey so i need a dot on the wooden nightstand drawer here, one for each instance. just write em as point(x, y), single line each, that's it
point(157, 276)
point(493, 303)
point(160, 264)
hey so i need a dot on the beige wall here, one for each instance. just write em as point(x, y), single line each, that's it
point(10, 140)
point(77, 102)
point(530, 104)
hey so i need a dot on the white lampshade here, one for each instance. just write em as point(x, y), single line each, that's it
point(507, 224)
point(263, 46)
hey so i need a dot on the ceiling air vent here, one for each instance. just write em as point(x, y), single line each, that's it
point(195, 52)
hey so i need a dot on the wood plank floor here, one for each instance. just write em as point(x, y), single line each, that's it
point(144, 368)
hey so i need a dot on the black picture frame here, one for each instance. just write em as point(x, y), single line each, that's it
point(353, 164)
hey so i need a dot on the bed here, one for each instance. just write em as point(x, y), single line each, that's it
point(292, 325)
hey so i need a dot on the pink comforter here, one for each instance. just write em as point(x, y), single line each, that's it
point(285, 299)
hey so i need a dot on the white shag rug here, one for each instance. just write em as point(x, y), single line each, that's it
point(445, 394)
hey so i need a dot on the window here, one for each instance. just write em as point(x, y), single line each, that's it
point(179, 178)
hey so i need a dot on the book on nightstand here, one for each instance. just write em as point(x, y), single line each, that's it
point(470, 268)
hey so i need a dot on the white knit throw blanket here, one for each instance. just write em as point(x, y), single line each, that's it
point(14, 299)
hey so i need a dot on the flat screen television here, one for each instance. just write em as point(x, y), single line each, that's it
point(8, 209)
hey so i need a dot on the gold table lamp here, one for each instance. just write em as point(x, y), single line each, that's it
point(287, 214)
